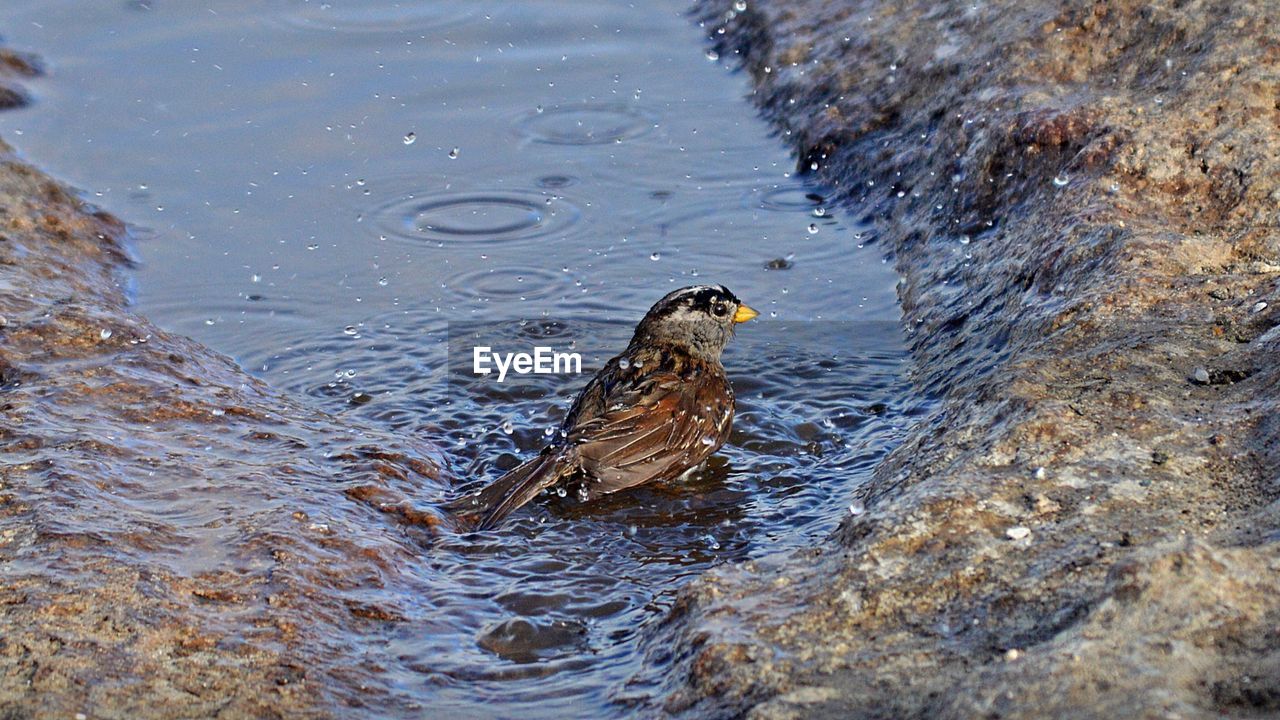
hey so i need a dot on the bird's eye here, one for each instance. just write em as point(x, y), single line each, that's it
point(720, 310)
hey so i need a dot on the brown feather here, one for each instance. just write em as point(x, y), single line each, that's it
point(653, 412)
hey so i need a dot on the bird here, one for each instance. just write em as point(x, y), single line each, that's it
point(657, 410)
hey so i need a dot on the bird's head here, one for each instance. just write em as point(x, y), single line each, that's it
point(698, 319)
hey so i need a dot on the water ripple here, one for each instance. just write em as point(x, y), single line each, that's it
point(510, 283)
point(476, 217)
point(375, 17)
point(585, 124)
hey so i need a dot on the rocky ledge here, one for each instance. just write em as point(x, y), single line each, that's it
point(176, 538)
point(1082, 200)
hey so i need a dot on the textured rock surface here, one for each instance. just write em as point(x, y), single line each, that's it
point(1082, 200)
point(176, 539)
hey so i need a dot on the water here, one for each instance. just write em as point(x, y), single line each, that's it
point(346, 197)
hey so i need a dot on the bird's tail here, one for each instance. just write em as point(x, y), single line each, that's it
point(503, 496)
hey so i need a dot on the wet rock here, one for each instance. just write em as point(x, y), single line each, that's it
point(152, 557)
point(20, 64)
point(14, 66)
point(1109, 171)
point(12, 97)
point(523, 640)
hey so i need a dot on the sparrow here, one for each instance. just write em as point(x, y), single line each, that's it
point(657, 410)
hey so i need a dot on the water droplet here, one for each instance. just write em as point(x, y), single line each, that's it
point(1061, 180)
point(1017, 533)
point(382, 281)
point(624, 363)
point(740, 6)
point(708, 440)
point(104, 333)
point(508, 427)
point(655, 256)
point(453, 154)
point(819, 211)
point(712, 55)
point(813, 228)
point(560, 491)
point(410, 138)
point(349, 330)
point(549, 431)
point(857, 508)
point(711, 542)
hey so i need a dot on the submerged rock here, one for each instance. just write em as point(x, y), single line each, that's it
point(1080, 198)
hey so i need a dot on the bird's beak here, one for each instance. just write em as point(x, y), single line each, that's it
point(744, 314)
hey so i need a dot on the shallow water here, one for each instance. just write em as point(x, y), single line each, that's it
point(347, 197)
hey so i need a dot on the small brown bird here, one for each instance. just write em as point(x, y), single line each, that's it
point(660, 408)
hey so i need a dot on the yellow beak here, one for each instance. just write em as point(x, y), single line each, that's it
point(744, 314)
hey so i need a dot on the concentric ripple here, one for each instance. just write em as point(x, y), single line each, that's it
point(510, 283)
point(477, 218)
point(375, 17)
point(786, 198)
point(585, 124)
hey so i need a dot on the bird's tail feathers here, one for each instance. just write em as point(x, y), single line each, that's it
point(503, 496)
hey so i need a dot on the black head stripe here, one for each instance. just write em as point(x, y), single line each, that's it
point(700, 297)
point(705, 297)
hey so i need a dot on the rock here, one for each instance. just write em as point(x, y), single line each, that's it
point(12, 97)
point(152, 561)
point(1114, 167)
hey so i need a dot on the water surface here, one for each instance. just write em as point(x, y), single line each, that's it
point(346, 197)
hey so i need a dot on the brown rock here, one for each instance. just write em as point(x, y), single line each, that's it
point(176, 538)
point(1083, 172)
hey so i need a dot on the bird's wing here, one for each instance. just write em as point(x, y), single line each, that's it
point(654, 428)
